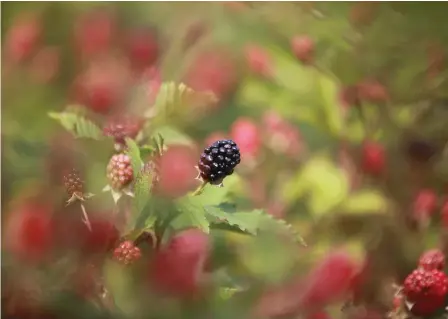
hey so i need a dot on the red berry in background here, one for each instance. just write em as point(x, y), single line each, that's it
point(319, 315)
point(101, 239)
point(373, 92)
point(45, 65)
point(363, 13)
point(247, 135)
point(178, 266)
point(432, 259)
point(426, 290)
point(22, 38)
point(103, 85)
point(281, 136)
point(425, 203)
point(258, 60)
point(142, 48)
point(120, 127)
point(349, 96)
point(119, 171)
point(212, 71)
point(330, 280)
point(373, 158)
point(177, 171)
point(303, 48)
point(94, 32)
point(29, 231)
point(127, 253)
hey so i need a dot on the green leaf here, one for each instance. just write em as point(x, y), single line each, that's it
point(171, 136)
point(330, 101)
point(192, 214)
point(78, 125)
point(366, 201)
point(147, 151)
point(251, 222)
point(134, 153)
point(179, 98)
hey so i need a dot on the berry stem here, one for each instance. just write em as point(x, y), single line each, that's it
point(200, 189)
point(85, 218)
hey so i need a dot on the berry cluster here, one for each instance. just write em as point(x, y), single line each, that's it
point(73, 183)
point(119, 171)
point(127, 253)
point(218, 161)
point(426, 288)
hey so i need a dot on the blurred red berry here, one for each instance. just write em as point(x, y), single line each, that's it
point(373, 159)
point(444, 213)
point(212, 71)
point(373, 92)
point(426, 290)
point(247, 135)
point(330, 280)
point(319, 315)
point(22, 38)
point(349, 96)
point(177, 171)
point(45, 64)
point(101, 239)
point(94, 32)
point(122, 126)
point(432, 259)
point(425, 203)
point(178, 266)
point(143, 48)
point(258, 60)
point(103, 85)
point(303, 48)
point(127, 253)
point(281, 135)
point(397, 302)
point(29, 231)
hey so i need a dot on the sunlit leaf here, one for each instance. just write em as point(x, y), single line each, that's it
point(78, 125)
point(366, 201)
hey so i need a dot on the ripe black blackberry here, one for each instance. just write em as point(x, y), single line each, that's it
point(119, 171)
point(218, 161)
point(73, 184)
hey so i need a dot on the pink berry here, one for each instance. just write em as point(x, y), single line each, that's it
point(329, 280)
point(247, 135)
point(94, 32)
point(258, 60)
point(177, 171)
point(127, 253)
point(303, 48)
point(212, 71)
point(373, 158)
point(29, 231)
point(432, 259)
point(425, 203)
point(178, 266)
point(142, 48)
point(281, 136)
point(373, 92)
point(22, 38)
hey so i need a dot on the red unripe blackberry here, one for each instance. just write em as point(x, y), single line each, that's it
point(127, 253)
point(426, 290)
point(73, 183)
point(303, 48)
point(373, 158)
point(432, 259)
point(142, 47)
point(119, 171)
point(246, 133)
point(258, 60)
point(373, 91)
point(121, 127)
point(218, 161)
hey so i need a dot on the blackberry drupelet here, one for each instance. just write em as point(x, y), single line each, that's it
point(119, 171)
point(218, 161)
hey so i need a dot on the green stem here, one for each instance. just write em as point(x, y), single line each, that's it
point(200, 189)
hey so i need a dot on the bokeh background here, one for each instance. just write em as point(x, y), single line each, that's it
point(339, 109)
